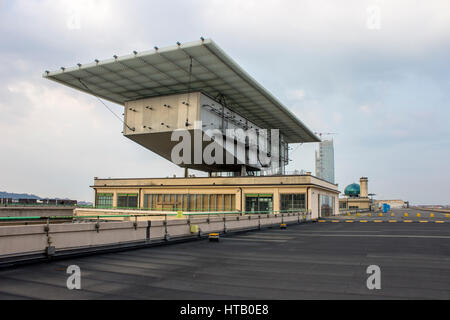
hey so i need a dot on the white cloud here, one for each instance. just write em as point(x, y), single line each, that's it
point(63, 139)
point(340, 71)
point(366, 109)
point(337, 117)
point(297, 94)
point(320, 25)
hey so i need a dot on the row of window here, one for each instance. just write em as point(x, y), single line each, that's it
point(204, 202)
point(124, 200)
point(190, 202)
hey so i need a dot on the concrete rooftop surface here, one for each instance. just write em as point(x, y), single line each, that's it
point(306, 261)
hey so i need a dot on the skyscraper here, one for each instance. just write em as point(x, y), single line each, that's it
point(325, 161)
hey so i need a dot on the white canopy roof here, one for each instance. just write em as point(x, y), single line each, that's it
point(165, 71)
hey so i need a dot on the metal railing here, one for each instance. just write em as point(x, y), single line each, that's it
point(171, 214)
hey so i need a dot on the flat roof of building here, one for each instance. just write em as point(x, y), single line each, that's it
point(285, 180)
point(306, 261)
point(165, 71)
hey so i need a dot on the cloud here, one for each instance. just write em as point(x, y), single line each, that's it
point(321, 24)
point(366, 109)
point(297, 94)
point(337, 117)
point(384, 91)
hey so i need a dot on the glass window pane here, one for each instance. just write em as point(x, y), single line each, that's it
point(104, 200)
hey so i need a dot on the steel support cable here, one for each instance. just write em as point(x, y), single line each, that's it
point(101, 101)
point(189, 91)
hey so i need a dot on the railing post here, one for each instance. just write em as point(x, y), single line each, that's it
point(166, 233)
point(50, 250)
point(97, 224)
point(224, 223)
point(149, 225)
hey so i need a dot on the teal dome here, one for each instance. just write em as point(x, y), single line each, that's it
point(352, 190)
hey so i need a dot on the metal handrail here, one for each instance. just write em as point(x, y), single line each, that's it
point(150, 215)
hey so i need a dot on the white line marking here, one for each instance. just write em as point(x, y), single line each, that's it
point(373, 235)
point(267, 236)
point(255, 240)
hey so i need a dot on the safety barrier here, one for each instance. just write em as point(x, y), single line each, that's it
point(37, 242)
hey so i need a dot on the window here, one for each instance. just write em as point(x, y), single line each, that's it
point(104, 200)
point(190, 202)
point(326, 206)
point(228, 202)
point(127, 200)
point(342, 205)
point(261, 203)
point(205, 206)
point(292, 202)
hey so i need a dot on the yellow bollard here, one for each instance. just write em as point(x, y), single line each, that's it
point(447, 215)
point(431, 215)
point(358, 215)
point(380, 214)
point(418, 214)
point(406, 214)
point(369, 214)
point(348, 213)
point(392, 214)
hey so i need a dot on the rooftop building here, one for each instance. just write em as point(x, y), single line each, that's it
point(194, 106)
point(325, 161)
point(195, 88)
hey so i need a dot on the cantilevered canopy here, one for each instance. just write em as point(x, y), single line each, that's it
point(167, 71)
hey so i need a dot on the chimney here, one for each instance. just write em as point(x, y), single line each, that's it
point(364, 188)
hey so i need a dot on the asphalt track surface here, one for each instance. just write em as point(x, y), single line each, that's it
point(323, 260)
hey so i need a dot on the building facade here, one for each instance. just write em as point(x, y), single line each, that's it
point(194, 106)
point(356, 196)
point(275, 194)
point(325, 161)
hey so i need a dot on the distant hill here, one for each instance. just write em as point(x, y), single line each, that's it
point(4, 194)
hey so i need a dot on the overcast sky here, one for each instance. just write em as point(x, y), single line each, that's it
point(381, 84)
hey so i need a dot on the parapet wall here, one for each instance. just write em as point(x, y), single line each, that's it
point(41, 211)
point(20, 242)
